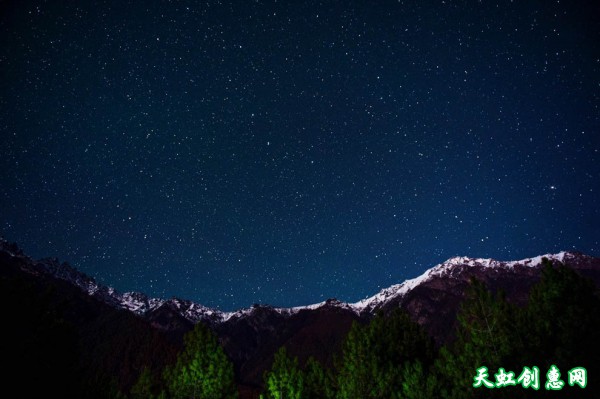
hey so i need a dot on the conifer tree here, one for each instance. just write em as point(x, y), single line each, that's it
point(142, 389)
point(374, 356)
point(202, 370)
point(558, 325)
point(285, 379)
point(562, 320)
point(417, 382)
point(318, 381)
point(485, 337)
point(355, 373)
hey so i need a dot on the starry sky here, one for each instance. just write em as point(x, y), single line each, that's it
point(285, 152)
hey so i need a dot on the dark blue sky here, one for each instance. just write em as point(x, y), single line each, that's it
point(287, 152)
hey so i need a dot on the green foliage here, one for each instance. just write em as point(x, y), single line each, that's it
point(417, 383)
point(391, 357)
point(485, 336)
point(285, 379)
point(558, 326)
point(318, 381)
point(486, 322)
point(562, 319)
point(355, 371)
point(491, 334)
point(373, 356)
point(142, 389)
point(202, 370)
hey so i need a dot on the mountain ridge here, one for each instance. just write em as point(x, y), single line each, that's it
point(251, 336)
point(142, 304)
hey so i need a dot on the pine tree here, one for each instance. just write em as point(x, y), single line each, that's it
point(285, 379)
point(142, 389)
point(487, 331)
point(202, 370)
point(417, 382)
point(374, 356)
point(562, 321)
point(318, 382)
point(558, 325)
point(356, 369)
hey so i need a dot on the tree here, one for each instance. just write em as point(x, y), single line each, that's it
point(355, 370)
point(318, 382)
point(285, 379)
point(486, 335)
point(142, 389)
point(417, 383)
point(374, 356)
point(486, 323)
point(562, 320)
point(202, 370)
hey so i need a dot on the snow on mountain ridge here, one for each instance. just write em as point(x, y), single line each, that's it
point(446, 268)
point(489, 262)
point(141, 304)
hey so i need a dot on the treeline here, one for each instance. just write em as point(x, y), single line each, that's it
point(393, 358)
point(201, 371)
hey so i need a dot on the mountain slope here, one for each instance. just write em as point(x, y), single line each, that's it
point(66, 341)
point(454, 268)
point(251, 336)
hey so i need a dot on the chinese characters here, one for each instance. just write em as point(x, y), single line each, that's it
point(530, 378)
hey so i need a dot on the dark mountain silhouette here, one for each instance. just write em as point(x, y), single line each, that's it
point(58, 338)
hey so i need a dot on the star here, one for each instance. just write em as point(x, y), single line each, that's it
point(222, 151)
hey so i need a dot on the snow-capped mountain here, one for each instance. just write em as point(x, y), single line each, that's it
point(251, 336)
point(451, 268)
point(448, 269)
point(142, 305)
point(135, 302)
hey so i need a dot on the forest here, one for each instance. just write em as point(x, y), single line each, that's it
point(547, 348)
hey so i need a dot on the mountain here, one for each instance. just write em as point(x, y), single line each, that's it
point(66, 340)
point(458, 269)
point(251, 336)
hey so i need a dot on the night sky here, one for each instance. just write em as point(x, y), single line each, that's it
point(287, 152)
